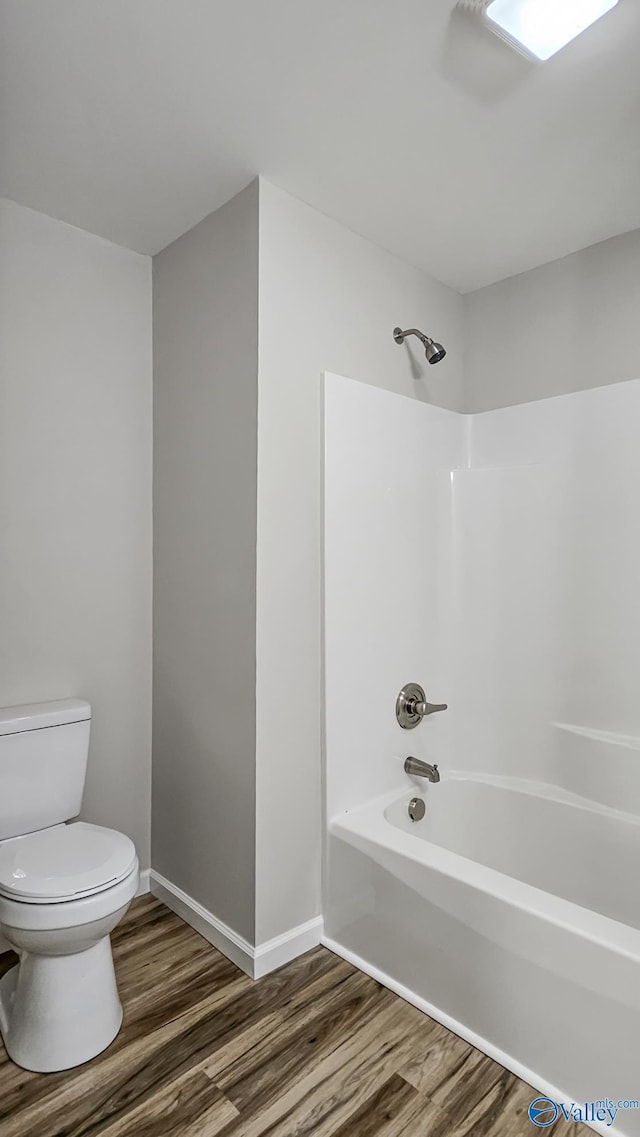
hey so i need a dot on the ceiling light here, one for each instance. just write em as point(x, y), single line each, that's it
point(542, 27)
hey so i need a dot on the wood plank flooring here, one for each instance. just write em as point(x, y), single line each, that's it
point(316, 1048)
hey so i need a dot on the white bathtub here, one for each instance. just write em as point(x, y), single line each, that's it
point(511, 913)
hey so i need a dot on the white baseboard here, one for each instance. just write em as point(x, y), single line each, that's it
point(254, 961)
point(470, 1036)
point(224, 938)
point(282, 949)
point(144, 885)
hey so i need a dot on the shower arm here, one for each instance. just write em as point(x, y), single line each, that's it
point(399, 335)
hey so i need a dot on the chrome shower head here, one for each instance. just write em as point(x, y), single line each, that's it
point(433, 351)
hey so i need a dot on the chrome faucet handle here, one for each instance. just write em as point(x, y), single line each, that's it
point(423, 709)
point(412, 706)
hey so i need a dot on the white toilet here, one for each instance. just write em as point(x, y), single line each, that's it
point(63, 888)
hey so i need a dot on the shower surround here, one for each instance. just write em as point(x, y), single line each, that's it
point(495, 560)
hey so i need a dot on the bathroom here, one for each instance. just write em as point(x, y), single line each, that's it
point(239, 518)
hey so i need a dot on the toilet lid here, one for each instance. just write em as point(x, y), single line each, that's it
point(64, 862)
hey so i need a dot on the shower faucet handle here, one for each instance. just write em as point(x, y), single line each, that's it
point(412, 706)
point(423, 709)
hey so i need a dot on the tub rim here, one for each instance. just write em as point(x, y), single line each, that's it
point(367, 824)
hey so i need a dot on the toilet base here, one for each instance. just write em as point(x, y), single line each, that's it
point(58, 1011)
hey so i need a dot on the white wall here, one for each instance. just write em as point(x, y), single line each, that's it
point(329, 300)
point(75, 496)
point(205, 441)
point(563, 327)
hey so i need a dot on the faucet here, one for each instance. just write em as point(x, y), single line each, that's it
point(412, 706)
point(421, 769)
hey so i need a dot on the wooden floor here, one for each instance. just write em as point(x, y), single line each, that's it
point(315, 1048)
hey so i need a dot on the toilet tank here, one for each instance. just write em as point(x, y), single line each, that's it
point(43, 762)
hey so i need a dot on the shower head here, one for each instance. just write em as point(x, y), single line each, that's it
point(433, 351)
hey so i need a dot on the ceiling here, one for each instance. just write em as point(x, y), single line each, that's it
point(408, 122)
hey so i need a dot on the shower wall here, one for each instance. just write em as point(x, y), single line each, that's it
point(494, 559)
point(388, 564)
point(548, 629)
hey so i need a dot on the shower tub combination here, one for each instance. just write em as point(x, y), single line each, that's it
point(490, 558)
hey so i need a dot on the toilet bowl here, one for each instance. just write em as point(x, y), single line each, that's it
point(62, 891)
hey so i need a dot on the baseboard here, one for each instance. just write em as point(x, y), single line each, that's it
point(224, 938)
point(144, 884)
point(254, 961)
point(529, 1076)
point(282, 949)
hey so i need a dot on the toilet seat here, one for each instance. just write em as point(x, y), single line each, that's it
point(64, 862)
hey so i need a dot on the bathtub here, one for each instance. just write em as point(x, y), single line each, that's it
point(511, 914)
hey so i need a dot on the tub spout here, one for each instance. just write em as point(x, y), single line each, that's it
point(421, 769)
